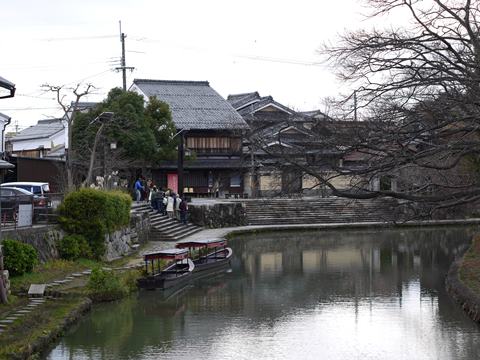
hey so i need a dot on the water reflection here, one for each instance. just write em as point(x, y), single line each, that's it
point(334, 295)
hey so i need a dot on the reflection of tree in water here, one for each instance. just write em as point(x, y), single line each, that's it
point(106, 330)
point(275, 276)
point(362, 264)
point(125, 327)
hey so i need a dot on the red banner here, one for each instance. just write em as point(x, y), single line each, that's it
point(172, 182)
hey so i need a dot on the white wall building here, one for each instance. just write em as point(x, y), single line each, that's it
point(39, 140)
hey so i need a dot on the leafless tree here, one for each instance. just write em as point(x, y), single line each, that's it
point(417, 94)
point(70, 112)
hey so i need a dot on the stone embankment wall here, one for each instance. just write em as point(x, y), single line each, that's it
point(42, 238)
point(218, 215)
point(468, 300)
point(120, 243)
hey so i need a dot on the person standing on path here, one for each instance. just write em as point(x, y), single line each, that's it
point(183, 207)
point(152, 197)
point(170, 206)
point(178, 201)
point(138, 189)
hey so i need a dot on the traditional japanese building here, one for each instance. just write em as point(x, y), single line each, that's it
point(283, 144)
point(211, 131)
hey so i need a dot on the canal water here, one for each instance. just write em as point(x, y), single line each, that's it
point(312, 295)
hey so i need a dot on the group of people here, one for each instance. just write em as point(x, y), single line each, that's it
point(164, 202)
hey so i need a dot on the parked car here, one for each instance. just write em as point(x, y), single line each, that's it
point(39, 189)
point(10, 198)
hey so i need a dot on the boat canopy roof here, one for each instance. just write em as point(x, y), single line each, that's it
point(169, 254)
point(209, 243)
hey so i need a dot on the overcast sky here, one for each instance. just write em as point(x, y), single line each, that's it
point(266, 46)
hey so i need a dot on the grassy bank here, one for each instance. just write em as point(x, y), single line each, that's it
point(469, 271)
point(34, 333)
point(49, 271)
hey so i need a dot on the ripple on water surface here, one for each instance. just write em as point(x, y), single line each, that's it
point(334, 295)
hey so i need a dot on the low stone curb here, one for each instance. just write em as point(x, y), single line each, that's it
point(468, 300)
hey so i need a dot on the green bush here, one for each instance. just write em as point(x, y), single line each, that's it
point(72, 247)
point(129, 279)
point(93, 214)
point(104, 285)
point(19, 258)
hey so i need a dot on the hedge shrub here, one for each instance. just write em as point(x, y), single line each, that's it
point(104, 285)
point(72, 247)
point(19, 258)
point(93, 214)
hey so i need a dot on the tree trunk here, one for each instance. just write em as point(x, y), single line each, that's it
point(88, 180)
point(3, 287)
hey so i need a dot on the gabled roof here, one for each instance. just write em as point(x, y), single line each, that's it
point(9, 86)
point(84, 105)
point(57, 151)
point(316, 114)
point(250, 103)
point(194, 104)
point(241, 100)
point(292, 129)
point(4, 117)
point(43, 129)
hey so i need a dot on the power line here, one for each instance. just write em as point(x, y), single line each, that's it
point(245, 56)
point(54, 66)
point(30, 108)
point(93, 37)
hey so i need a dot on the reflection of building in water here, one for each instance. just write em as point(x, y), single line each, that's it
point(341, 259)
point(312, 260)
point(271, 263)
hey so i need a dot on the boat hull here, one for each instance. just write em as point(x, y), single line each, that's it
point(169, 278)
point(212, 261)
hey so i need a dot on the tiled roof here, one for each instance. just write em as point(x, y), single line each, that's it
point(6, 165)
point(43, 129)
point(4, 117)
point(240, 100)
point(6, 83)
point(317, 114)
point(249, 103)
point(194, 104)
point(57, 151)
point(84, 105)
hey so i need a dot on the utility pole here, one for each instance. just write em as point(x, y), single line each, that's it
point(123, 67)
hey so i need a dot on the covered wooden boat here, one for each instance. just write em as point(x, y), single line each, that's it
point(165, 269)
point(207, 253)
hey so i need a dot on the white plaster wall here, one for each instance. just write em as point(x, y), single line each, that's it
point(58, 138)
point(31, 144)
point(136, 89)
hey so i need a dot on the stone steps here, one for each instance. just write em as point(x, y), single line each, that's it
point(164, 228)
point(326, 210)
